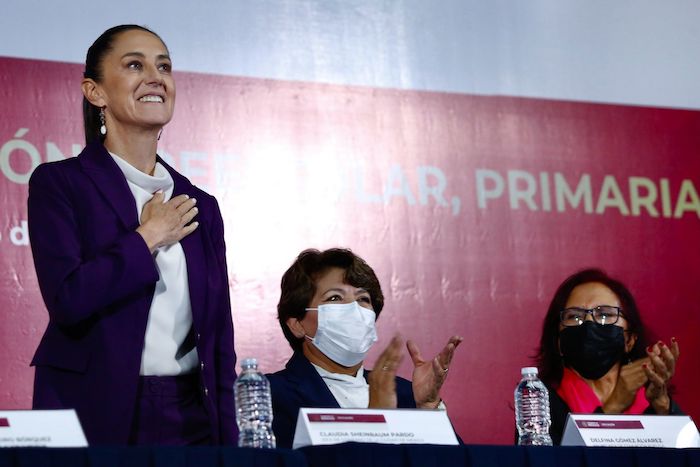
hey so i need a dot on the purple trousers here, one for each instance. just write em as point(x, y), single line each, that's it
point(169, 411)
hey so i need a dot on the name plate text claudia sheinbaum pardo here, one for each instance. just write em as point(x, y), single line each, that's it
point(389, 426)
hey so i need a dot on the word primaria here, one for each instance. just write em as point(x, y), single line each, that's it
point(548, 192)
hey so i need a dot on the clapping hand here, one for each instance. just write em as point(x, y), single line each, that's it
point(382, 380)
point(629, 380)
point(659, 370)
point(430, 375)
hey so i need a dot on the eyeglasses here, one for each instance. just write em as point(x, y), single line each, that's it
point(602, 314)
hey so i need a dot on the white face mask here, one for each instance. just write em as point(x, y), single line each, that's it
point(345, 332)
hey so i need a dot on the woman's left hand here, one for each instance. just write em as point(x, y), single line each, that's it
point(429, 376)
point(662, 365)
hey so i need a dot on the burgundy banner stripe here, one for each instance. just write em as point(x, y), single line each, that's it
point(346, 418)
point(611, 424)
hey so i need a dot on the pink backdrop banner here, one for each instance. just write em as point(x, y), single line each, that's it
point(471, 209)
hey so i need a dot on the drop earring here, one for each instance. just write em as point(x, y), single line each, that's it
point(103, 127)
point(160, 133)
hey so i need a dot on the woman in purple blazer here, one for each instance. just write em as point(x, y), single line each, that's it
point(131, 263)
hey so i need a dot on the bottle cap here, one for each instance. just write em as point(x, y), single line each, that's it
point(249, 363)
point(528, 370)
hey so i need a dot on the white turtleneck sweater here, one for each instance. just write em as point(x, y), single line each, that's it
point(170, 316)
point(351, 392)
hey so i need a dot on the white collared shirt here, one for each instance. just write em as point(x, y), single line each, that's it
point(170, 315)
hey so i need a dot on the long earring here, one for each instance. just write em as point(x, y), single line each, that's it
point(103, 127)
point(160, 133)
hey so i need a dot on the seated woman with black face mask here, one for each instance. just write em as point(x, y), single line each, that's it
point(327, 310)
point(593, 355)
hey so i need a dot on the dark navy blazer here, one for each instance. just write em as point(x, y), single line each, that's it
point(97, 278)
point(299, 385)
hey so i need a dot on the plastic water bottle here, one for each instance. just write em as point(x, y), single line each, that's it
point(532, 410)
point(253, 407)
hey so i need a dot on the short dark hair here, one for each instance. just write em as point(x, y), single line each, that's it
point(549, 360)
point(93, 70)
point(299, 284)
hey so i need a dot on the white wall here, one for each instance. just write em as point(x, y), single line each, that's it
point(621, 51)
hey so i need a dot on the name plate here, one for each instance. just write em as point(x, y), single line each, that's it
point(662, 431)
point(43, 428)
point(388, 426)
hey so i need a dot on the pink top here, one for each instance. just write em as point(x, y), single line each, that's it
point(580, 398)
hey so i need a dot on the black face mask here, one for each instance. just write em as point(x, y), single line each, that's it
point(591, 348)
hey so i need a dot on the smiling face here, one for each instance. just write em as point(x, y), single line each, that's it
point(137, 90)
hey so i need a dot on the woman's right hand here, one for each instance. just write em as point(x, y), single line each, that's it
point(382, 379)
point(632, 377)
point(163, 224)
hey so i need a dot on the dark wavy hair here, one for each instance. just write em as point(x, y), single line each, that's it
point(299, 284)
point(93, 70)
point(548, 358)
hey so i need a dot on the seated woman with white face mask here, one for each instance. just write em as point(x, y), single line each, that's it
point(327, 310)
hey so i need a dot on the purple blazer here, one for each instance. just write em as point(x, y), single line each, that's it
point(97, 279)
